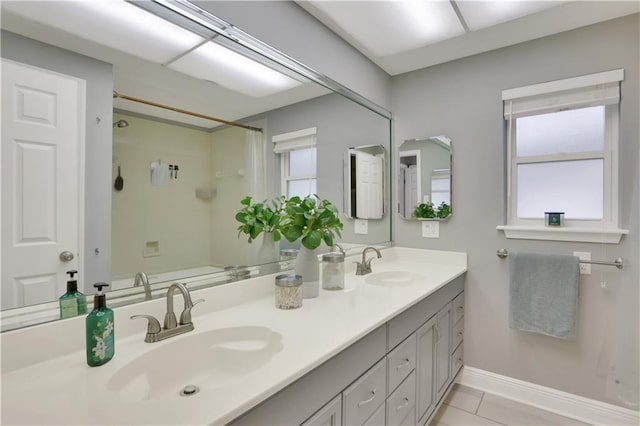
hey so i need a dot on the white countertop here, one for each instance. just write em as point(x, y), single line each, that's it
point(64, 390)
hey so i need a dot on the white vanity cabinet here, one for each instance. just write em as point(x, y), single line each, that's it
point(394, 376)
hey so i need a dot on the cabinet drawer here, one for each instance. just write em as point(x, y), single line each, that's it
point(458, 307)
point(402, 401)
point(456, 361)
point(329, 415)
point(361, 399)
point(458, 333)
point(400, 362)
point(377, 419)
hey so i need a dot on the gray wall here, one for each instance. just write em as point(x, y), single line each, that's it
point(462, 99)
point(97, 197)
point(340, 124)
point(287, 27)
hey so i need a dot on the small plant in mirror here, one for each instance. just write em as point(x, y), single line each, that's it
point(427, 211)
point(256, 218)
point(311, 219)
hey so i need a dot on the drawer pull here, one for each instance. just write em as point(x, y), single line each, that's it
point(366, 401)
point(460, 308)
point(405, 362)
point(403, 405)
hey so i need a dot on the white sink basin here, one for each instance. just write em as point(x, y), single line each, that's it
point(205, 360)
point(394, 278)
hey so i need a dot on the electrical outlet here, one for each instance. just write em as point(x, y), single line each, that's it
point(430, 229)
point(585, 268)
point(361, 226)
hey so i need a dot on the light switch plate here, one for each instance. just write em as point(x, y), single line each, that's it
point(430, 229)
point(585, 268)
point(361, 226)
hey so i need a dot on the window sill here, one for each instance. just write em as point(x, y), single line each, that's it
point(585, 235)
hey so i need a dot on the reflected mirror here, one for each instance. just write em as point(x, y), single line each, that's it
point(364, 174)
point(161, 187)
point(425, 179)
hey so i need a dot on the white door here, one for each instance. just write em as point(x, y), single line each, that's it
point(368, 185)
point(42, 158)
point(410, 189)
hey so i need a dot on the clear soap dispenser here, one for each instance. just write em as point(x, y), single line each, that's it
point(72, 303)
point(100, 330)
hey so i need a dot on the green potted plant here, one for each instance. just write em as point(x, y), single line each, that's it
point(262, 218)
point(427, 211)
point(311, 221)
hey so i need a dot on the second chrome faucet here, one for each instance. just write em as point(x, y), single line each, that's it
point(172, 327)
point(364, 267)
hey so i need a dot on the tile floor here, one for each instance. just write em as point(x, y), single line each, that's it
point(466, 406)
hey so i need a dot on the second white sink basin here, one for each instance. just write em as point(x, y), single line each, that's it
point(205, 360)
point(394, 278)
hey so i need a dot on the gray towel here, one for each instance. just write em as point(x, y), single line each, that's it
point(543, 294)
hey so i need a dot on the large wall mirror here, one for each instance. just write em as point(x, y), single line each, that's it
point(159, 188)
point(425, 178)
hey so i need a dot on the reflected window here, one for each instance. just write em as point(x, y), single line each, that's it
point(298, 162)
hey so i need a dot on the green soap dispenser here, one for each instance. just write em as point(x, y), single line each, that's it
point(72, 303)
point(100, 330)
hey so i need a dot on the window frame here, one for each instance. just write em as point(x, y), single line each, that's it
point(605, 230)
point(285, 177)
point(283, 144)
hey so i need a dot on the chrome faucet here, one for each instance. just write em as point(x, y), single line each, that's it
point(364, 267)
point(172, 327)
point(141, 278)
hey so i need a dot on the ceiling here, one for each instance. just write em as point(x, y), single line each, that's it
point(399, 36)
point(405, 35)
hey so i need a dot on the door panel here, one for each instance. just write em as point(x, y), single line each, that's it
point(42, 142)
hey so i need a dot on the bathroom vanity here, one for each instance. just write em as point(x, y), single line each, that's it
point(383, 351)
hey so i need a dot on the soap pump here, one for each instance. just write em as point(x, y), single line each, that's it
point(72, 303)
point(100, 330)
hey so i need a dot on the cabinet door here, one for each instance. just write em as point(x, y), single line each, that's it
point(329, 415)
point(425, 398)
point(443, 329)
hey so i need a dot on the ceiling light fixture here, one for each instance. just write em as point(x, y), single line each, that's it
point(231, 70)
point(116, 24)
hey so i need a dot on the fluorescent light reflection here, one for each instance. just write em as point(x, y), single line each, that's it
point(229, 69)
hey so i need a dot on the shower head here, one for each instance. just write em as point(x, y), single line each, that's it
point(121, 123)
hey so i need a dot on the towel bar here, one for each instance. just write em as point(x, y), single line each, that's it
point(503, 253)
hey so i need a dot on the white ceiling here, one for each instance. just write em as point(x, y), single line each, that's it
point(379, 29)
point(405, 35)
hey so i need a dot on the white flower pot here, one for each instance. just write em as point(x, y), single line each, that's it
point(308, 265)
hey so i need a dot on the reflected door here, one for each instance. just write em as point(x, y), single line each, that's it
point(368, 185)
point(42, 137)
point(410, 189)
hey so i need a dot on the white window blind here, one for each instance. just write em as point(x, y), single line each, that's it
point(578, 92)
point(300, 139)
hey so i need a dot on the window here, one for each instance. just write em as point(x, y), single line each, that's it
point(298, 159)
point(562, 145)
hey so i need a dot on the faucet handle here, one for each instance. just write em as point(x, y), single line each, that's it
point(153, 326)
point(185, 316)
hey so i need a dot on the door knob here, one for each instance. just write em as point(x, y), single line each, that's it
point(66, 256)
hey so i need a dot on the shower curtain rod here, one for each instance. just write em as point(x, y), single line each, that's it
point(183, 111)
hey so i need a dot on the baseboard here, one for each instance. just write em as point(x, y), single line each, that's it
point(566, 404)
